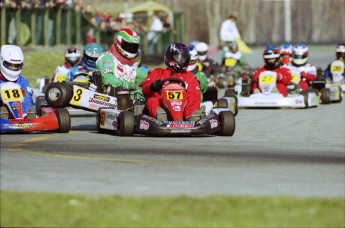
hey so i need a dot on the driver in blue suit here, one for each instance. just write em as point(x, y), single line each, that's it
point(11, 65)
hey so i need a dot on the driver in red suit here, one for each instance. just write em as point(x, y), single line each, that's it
point(177, 60)
point(272, 62)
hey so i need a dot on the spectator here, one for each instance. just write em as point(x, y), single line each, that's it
point(228, 30)
point(153, 36)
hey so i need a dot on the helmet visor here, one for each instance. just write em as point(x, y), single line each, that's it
point(13, 66)
point(129, 47)
point(180, 59)
point(202, 52)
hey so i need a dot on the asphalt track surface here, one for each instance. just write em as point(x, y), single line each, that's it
point(297, 152)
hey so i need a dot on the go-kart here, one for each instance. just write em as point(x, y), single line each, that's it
point(270, 99)
point(220, 121)
point(337, 70)
point(77, 94)
point(49, 119)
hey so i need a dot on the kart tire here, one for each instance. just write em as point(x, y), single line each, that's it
point(325, 96)
point(227, 123)
point(58, 95)
point(64, 120)
point(229, 93)
point(126, 123)
point(40, 101)
point(98, 124)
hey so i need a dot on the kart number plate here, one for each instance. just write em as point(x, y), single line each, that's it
point(229, 62)
point(12, 94)
point(337, 69)
point(174, 95)
point(61, 77)
point(267, 79)
point(77, 96)
point(294, 78)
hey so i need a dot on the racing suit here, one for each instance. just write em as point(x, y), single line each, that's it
point(61, 72)
point(283, 79)
point(153, 98)
point(118, 71)
point(308, 74)
point(328, 74)
point(26, 90)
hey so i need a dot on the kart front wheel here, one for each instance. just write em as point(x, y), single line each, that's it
point(126, 123)
point(64, 120)
point(58, 95)
point(227, 123)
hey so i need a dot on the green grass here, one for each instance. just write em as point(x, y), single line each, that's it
point(41, 63)
point(62, 210)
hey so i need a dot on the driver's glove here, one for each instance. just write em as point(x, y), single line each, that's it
point(128, 85)
point(157, 85)
point(92, 87)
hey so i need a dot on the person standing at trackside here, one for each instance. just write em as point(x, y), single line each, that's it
point(177, 59)
point(271, 56)
point(340, 56)
point(154, 35)
point(300, 62)
point(12, 60)
point(228, 30)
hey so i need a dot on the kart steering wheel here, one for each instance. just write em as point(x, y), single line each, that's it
point(180, 81)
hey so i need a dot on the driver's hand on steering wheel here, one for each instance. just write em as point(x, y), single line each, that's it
point(156, 85)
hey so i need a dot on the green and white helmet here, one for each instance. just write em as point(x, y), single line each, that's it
point(127, 43)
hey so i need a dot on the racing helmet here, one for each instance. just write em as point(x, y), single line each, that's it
point(138, 58)
point(194, 57)
point(177, 57)
point(286, 52)
point(271, 57)
point(72, 55)
point(340, 51)
point(12, 59)
point(202, 49)
point(127, 43)
point(300, 55)
point(91, 53)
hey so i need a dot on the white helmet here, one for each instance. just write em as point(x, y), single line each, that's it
point(12, 59)
point(72, 55)
point(194, 57)
point(202, 49)
point(300, 54)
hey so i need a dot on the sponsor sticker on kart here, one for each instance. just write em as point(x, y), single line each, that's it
point(21, 126)
point(144, 125)
point(180, 124)
point(77, 96)
point(213, 123)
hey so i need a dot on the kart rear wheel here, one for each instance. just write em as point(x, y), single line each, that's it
point(227, 123)
point(64, 120)
point(58, 95)
point(325, 96)
point(126, 123)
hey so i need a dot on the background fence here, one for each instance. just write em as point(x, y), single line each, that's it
point(259, 22)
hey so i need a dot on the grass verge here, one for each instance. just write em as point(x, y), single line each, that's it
point(65, 210)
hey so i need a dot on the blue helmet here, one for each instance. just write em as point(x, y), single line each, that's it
point(91, 53)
